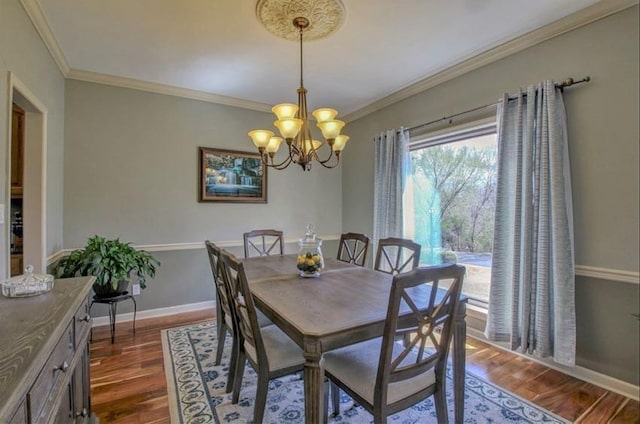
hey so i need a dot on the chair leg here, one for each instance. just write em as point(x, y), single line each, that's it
point(232, 365)
point(440, 400)
point(222, 334)
point(261, 397)
point(237, 380)
point(335, 398)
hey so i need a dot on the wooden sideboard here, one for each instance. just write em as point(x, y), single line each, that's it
point(44, 355)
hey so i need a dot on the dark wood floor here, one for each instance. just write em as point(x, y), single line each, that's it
point(128, 381)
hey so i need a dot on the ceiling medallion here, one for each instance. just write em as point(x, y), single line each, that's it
point(325, 17)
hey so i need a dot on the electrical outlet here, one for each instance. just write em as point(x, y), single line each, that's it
point(136, 289)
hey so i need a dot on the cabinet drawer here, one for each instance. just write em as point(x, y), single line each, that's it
point(42, 392)
point(81, 322)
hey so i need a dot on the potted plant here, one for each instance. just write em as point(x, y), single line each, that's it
point(112, 262)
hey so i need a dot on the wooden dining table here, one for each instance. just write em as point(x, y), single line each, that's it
point(346, 304)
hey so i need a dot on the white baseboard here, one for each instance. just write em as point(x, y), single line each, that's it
point(154, 313)
point(613, 384)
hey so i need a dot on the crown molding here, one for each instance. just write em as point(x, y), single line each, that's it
point(583, 17)
point(166, 89)
point(40, 22)
point(576, 20)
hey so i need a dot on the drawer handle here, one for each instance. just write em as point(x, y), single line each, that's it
point(86, 318)
point(82, 413)
point(64, 367)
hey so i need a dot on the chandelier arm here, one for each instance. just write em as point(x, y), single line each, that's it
point(282, 165)
point(287, 160)
point(331, 156)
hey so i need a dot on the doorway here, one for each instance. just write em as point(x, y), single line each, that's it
point(26, 223)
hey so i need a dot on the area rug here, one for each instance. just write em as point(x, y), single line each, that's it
point(197, 391)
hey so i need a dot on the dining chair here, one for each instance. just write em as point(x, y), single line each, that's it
point(353, 248)
point(385, 376)
point(397, 255)
point(269, 351)
point(225, 314)
point(225, 319)
point(263, 243)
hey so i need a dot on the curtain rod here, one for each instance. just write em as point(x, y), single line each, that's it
point(562, 84)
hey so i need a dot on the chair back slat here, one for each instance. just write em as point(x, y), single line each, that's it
point(423, 303)
point(245, 310)
point(263, 243)
point(397, 255)
point(353, 248)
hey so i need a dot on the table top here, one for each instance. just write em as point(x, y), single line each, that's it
point(346, 303)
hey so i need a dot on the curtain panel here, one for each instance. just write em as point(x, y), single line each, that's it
point(391, 169)
point(532, 295)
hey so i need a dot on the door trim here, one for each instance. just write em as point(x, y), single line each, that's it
point(36, 132)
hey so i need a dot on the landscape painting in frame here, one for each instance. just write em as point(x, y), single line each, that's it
point(232, 176)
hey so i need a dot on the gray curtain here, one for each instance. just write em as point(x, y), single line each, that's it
point(391, 169)
point(532, 295)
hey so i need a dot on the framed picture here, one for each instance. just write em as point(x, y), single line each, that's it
point(232, 176)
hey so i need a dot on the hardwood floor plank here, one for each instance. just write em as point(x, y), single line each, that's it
point(128, 384)
point(606, 410)
point(629, 413)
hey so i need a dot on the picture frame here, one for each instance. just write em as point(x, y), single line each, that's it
point(231, 176)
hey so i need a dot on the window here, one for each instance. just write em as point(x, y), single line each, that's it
point(450, 202)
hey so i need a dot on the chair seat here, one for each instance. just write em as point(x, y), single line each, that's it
point(282, 352)
point(358, 365)
point(263, 321)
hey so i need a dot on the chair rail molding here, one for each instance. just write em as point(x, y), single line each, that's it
point(609, 274)
point(168, 247)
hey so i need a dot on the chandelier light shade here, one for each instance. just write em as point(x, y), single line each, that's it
point(292, 123)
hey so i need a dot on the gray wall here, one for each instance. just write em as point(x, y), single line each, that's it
point(603, 131)
point(23, 53)
point(131, 171)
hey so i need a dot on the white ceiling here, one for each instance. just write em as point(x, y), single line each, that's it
point(219, 47)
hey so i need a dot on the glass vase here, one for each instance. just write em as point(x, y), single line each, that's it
point(310, 260)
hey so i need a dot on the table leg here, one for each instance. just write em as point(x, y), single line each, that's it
point(459, 339)
point(313, 383)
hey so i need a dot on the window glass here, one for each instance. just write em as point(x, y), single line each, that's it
point(450, 203)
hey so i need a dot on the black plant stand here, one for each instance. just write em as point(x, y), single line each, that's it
point(113, 301)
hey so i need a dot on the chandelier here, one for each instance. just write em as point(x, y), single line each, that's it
point(293, 124)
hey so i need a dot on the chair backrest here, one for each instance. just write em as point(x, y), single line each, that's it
point(397, 255)
point(246, 315)
point(427, 320)
point(263, 243)
point(353, 248)
point(222, 291)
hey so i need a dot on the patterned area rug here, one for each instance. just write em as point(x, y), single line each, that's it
point(197, 391)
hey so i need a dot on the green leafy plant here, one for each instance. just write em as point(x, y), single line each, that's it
point(110, 261)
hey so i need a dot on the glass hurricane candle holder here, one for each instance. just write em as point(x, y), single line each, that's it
point(310, 260)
